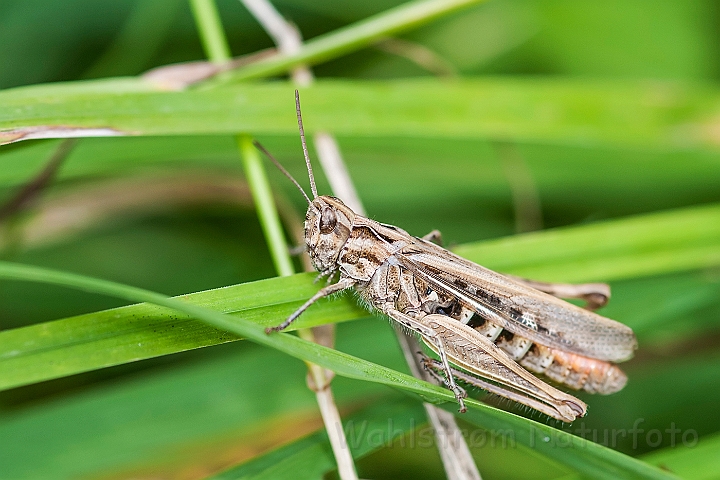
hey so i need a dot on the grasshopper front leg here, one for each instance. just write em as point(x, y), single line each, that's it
point(342, 284)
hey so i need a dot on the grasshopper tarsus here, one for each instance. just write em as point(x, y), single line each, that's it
point(595, 300)
point(460, 396)
point(577, 408)
point(430, 365)
point(288, 321)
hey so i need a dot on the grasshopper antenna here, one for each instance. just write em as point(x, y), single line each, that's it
point(282, 169)
point(313, 188)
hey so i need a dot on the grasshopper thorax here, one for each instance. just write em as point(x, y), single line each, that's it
point(328, 224)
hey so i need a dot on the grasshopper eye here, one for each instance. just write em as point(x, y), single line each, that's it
point(327, 221)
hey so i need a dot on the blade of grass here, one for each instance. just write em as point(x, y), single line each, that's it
point(698, 462)
point(241, 327)
point(582, 455)
point(64, 347)
point(87, 342)
point(265, 205)
point(209, 25)
point(569, 111)
point(200, 410)
point(354, 37)
point(548, 442)
point(645, 245)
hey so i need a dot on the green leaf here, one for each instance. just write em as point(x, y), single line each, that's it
point(587, 457)
point(570, 111)
point(352, 38)
point(663, 242)
point(141, 420)
point(699, 461)
point(646, 245)
point(111, 337)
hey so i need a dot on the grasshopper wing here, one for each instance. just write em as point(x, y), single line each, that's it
point(522, 310)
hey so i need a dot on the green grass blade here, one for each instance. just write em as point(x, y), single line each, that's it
point(591, 463)
point(212, 35)
point(586, 253)
point(645, 245)
point(102, 339)
point(586, 457)
point(265, 206)
point(341, 363)
point(354, 37)
point(698, 462)
point(214, 403)
point(569, 111)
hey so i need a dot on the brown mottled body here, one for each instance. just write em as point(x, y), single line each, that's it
point(422, 286)
point(495, 328)
point(366, 258)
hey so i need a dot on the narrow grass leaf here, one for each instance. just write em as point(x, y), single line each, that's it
point(584, 456)
point(566, 111)
point(588, 253)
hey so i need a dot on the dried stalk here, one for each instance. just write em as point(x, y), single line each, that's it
point(287, 38)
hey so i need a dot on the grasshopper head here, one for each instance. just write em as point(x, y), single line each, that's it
point(328, 224)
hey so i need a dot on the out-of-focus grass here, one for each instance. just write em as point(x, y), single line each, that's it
point(627, 128)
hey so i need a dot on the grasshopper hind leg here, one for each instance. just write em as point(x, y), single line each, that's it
point(429, 335)
point(595, 295)
point(435, 237)
point(433, 366)
point(575, 409)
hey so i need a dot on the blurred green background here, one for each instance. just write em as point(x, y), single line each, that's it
point(192, 414)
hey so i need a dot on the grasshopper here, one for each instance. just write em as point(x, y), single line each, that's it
point(495, 329)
